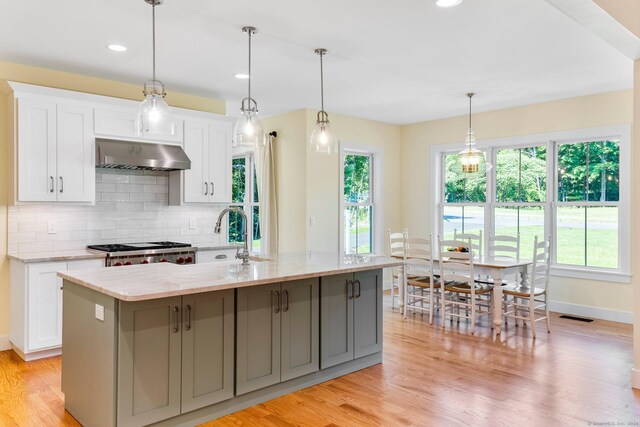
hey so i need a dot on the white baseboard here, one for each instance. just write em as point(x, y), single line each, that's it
point(635, 378)
point(4, 343)
point(592, 312)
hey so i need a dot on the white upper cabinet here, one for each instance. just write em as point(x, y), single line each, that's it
point(208, 146)
point(36, 150)
point(75, 154)
point(55, 152)
point(120, 123)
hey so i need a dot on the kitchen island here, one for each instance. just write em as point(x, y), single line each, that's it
point(175, 345)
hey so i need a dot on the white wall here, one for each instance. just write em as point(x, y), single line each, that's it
point(585, 297)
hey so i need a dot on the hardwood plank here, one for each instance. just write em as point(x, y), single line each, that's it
point(579, 373)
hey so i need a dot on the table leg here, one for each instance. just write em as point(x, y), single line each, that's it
point(497, 301)
point(524, 276)
point(403, 286)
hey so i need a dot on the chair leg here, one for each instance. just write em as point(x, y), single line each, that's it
point(546, 311)
point(473, 314)
point(393, 295)
point(532, 316)
point(431, 295)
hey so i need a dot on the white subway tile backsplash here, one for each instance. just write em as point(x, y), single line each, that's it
point(130, 206)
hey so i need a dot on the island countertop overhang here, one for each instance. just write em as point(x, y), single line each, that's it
point(152, 281)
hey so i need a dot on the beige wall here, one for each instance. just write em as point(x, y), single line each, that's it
point(574, 113)
point(291, 172)
point(75, 82)
point(311, 181)
point(624, 11)
point(635, 226)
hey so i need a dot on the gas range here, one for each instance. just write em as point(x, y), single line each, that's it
point(146, 253)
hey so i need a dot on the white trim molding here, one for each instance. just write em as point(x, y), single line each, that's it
point(591, 312)
point(4, 343)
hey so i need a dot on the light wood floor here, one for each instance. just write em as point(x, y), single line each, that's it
point(578, 374)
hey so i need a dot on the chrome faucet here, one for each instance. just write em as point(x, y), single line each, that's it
point(244, 256)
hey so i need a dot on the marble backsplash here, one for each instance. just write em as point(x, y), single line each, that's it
point(131, 206)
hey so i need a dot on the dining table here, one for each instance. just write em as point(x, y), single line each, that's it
point(498, 268)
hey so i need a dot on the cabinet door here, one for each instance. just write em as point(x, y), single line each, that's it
point(196, 145)
point(300, 328)
point(149, 361)
point(368, 312)
point(207, 349)
point(36, 150)
point(220, 162)
point(75, 154)
point(120, 122)
point(44, 308)
point(336, 320)
point(258, 338)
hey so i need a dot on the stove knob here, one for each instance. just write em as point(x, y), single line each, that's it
point(128, 263)
point(180, 260)
point(189, 260)
point(145, 261)
point(164, 260)
point(117, 264)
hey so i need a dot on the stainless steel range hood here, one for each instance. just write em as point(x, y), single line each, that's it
point(116, 154)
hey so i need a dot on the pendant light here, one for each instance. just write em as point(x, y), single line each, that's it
point(472, 160)
point(322, 140)
point(248, 129)
point(154, 115)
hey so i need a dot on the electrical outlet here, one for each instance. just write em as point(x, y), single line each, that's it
point(100, 312)
point(52, 227)
point(312, 221)
point(192, 224)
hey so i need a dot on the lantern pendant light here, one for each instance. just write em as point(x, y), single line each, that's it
point(154, 115)
point(471, 159)
point(322, 140)
point(248, 129)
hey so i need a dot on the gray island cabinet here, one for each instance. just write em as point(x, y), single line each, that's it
point(186, 345)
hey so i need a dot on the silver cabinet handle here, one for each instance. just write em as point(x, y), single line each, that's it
point(61, 185)
point(176, 329)
point(188, 326)
point(206, 188)
point(359, 290)
point(51, 184)
point(349, 291)
point(213, 189)
point(277, 295)
point(286, 306)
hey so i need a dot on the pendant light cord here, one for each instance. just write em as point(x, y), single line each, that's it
point(249, 80)
point(321, 82)
point(153, 32)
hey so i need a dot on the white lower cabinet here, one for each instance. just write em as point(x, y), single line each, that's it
point(35, 308)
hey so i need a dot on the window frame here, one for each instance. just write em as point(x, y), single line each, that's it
point(249, 195)
point(375, 194)
point(621, 133)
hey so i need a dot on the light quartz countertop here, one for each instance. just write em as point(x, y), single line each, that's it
point(56, 256)
point(151, 281)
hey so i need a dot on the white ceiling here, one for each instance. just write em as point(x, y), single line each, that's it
point(401, 61)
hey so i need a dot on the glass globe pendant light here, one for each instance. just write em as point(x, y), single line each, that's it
point(322, 140)
point(154, 115)
point(472, 160)
point(248, 129)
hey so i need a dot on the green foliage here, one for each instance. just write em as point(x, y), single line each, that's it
point(521, 175)
point(356, 178)
point(460, 187)
point(589, 171)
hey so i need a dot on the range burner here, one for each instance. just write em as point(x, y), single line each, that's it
point(119, 254)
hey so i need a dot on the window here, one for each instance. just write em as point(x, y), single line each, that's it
point(244, 194)
point(357, 203)
point(567, 186)
point(587, 203)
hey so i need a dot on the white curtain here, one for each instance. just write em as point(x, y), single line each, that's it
point(266, 176)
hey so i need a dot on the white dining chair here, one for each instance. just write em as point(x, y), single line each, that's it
point(461, 293)
point(422, 291)
point(529, 302)
point(504, 246)
point(396, 250)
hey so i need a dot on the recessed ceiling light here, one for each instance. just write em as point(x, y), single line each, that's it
point(448, 3)
point(241, 76)
point(117, 48)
